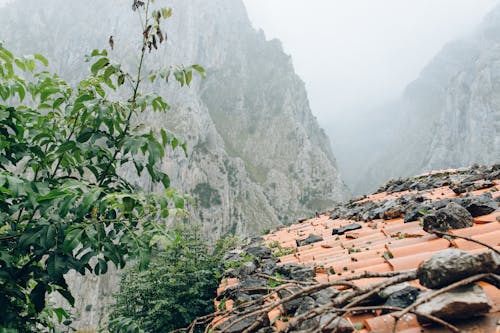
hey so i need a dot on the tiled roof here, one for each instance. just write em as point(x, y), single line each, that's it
point(383, 246)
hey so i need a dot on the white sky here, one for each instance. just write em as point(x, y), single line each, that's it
point(354, 53)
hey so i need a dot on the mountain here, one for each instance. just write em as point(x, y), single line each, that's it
point(257, 157)
point(450, 115)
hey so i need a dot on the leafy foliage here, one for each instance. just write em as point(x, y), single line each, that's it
point(178, 286)
point(63, 203)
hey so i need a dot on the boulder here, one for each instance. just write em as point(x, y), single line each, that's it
point(459, 304)
point(452, 265)
point(453, 216)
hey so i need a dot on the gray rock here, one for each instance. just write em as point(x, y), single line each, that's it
point(343, 230)
point(242, 325)
point(459, 304)
point(312, 238)
point(385, 293)
point(337, 325)
point(453, 216)
point(253, 282)
point(268, 266)
point(268, 329)
point(325, 296)
point(452, 265)
point(482, 208)
point(261, 252)
point(307, 305)
point(296, 272)
point(245, 269)
point(402, 298)
point(292, 306)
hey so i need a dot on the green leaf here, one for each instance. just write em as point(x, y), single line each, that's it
point(85, 135)
point(121, 80)
point(165, 181)
point(200, 70)
point(101, 267)
point(42, 59)
point(72, 239)
point(56, 266)
point(98, 65)
point(44, 95)
point(54, 194)
point(189, 76)
point(166, 12)
point(37, 296)
point(89, 199)
point(20, 64)
point(179, 203)
point(175, 143)
point(67, 295)
point(60, 314)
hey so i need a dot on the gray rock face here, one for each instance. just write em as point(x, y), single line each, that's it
point(452, 265)
point(449, 116)
point(256, 155)
point(459, 304)
point(453, 216)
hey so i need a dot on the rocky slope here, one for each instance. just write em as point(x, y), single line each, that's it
point(257, 157)
point(450, 115)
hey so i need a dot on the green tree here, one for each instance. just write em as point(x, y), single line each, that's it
point(177, 287)
point(63, 203)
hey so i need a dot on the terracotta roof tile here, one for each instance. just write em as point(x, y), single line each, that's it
point(380, 246)
point(409, 250)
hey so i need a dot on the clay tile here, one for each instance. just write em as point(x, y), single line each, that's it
point(395, 243)
point(476, 230)
point(493, 294)
point(273, 314)
point(491, 238)
point(409, 262)
point(386, 323)
point(487, 218)
point(432, 245)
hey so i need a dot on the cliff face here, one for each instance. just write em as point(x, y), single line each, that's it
point(450, 115)
point(257, 157)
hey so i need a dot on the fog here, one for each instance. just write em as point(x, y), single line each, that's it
point(355, 56)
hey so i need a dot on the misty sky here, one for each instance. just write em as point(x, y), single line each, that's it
point(356, 53)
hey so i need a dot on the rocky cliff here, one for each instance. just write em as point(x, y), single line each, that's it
point(450, 115)
point(257, 157)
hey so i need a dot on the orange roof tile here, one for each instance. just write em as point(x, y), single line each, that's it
point(379, 246)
